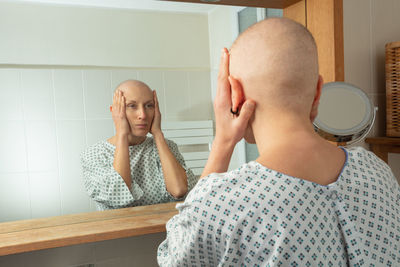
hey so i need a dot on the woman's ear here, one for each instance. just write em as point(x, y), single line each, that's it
point(237, 95)
point(110, 108)
point(315, 104)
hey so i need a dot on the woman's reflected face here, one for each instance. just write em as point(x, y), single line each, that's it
point(139, 109)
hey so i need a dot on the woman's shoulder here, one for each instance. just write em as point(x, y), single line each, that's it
point(360, 155)
point(360, 158)
point(95, 150)
point(216, 183)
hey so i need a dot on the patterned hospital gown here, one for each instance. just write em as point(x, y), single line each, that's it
point(255, 216)
point(107, 188)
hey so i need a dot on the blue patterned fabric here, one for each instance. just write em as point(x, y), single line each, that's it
point(255, 216)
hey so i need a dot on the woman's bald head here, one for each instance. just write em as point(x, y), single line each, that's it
point(135, 86)
point(276, 62)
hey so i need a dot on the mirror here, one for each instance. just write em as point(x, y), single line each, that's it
point(345, 113)
point(58, 67)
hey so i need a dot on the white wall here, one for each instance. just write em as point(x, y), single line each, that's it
point(62, 35)
point(368, 26)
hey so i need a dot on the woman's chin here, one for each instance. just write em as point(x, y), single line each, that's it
point(140, 132)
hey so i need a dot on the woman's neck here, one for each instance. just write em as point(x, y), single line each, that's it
point(132, 140)
point(273, 131)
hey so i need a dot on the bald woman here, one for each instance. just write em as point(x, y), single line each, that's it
point(131, 169)
point(304, 201)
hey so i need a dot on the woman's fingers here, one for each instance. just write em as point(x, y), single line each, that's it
point(223, 89)
point(237, 94)
point(246, 112)
point(155, 99)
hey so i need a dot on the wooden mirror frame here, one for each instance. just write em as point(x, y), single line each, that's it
point(324, 19)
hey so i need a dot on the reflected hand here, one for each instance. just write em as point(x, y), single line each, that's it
point(118, 110)
point(156, 123)
point(230, 128)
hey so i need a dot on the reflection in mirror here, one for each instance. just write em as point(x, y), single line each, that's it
point(57, 76)
point(345, 113)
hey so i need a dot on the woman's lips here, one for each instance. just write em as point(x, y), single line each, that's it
point(141, 126)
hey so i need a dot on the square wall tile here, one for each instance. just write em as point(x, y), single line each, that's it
point(73, 196)
point(97, 93)
point(98, 130)
point(38, 97)
point(155, 80)
point(45, 194)
point(13, 147)
point(176, 95)
point(120, 75)
point(200, 95)
point(41, 146)
point(14, 197)
point(71, 142)
point(10, 95)
point(68, 91)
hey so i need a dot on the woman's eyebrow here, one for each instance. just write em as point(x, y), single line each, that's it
point(135, 102)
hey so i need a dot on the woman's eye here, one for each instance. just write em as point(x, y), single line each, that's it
point(131, 106)
point(150, 105)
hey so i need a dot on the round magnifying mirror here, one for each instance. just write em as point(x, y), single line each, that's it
point(345, 113)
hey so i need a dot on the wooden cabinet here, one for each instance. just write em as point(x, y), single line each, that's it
point(382, 146)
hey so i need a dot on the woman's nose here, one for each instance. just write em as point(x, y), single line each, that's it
point(142, 113)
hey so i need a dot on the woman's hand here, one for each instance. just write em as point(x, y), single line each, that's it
point(156, 123)
point(230, 128)
point(118, 111)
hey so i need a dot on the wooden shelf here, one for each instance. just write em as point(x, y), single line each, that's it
point(37, 234)
point(381, 146)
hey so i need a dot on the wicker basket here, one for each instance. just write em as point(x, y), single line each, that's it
point(393, 89)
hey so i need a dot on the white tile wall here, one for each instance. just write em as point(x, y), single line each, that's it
point(119, 75)
point(41, 145)
point(49, 116)
point(38, 97)
point(44, 190)
point(199, 97)
point(71, 141)
point(10, 95)
point(68, 94)
point(177, 98)
point(98, 93)
point(13, 157)
point(97, 130)
point(14, 197)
